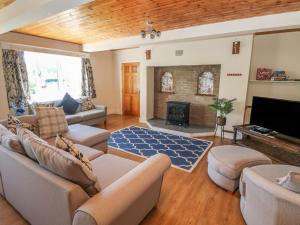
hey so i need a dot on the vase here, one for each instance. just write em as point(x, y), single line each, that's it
point(221, 121)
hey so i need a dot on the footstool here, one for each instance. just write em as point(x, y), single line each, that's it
point(225, 164)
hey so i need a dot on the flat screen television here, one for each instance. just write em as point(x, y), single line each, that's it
point(282, 116)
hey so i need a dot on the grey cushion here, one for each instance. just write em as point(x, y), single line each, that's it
point(230, 160)
point(109, 168)
point(92, 114)
point(90, 153)
point(73, 118)
point(86, 135)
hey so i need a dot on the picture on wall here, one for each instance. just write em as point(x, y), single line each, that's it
point(206, 83)
point(167, 83)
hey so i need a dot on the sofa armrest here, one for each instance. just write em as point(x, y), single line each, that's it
point(102, 107)
point(110, 204)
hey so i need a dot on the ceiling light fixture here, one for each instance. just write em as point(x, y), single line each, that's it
point(150, 31)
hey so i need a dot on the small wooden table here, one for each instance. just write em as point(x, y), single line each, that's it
point(276, 147)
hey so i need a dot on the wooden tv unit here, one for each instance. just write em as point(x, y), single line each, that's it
point(280, 148)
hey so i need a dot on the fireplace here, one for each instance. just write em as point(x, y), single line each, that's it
point(178, 113)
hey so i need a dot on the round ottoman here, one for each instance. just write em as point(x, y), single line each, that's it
point(225, 164)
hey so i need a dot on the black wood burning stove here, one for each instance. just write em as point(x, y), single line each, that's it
point(178, 113)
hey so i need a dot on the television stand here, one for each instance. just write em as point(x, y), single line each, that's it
point(280, 150)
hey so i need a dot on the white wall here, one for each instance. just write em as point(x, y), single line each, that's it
point(101, 63)
point(104, 80)
point(279, 51)
point(119, 57)
point(213, 51)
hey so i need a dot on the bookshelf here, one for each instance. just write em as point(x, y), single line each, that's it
point(271, 81)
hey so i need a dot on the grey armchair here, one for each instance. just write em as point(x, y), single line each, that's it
point(263, 201)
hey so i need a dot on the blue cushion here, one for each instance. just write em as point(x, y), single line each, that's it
point(69, 104)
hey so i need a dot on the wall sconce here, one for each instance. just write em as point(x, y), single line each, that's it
point(236, 45)
point(148, 54)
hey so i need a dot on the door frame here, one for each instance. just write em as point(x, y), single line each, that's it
point(122, 81)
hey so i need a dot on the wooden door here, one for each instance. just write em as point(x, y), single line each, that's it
point(131, 89)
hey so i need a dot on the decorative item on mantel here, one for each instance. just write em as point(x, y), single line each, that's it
point(223, 107)
point(236, 47)
point(167, 83)
point(206, 84)
point(263, 74)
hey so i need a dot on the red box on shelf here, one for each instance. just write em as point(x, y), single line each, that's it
point(263, 74)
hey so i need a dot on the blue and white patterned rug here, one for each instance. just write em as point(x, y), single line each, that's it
point(185, 153)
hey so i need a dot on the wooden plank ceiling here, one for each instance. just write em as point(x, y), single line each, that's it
point(4, 3)
point(109, 19)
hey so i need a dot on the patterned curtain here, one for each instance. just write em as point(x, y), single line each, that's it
point(88, 86)
point(16, 78)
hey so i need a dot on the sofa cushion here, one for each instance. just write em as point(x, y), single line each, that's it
point(86, 135)
point(65, 165)
point(10, 141)
point(109, 168)
point(69, 104)
point(52, 121)
point(291, 181)
point(13, 122)
point(230, 160)
point(68, 146)
point(91, 114)
point(25, 136)
point(72, 119)
point(86, 104)
point(90, 153)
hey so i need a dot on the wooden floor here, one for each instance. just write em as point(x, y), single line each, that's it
point(186, 198)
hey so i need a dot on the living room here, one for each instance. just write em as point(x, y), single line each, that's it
point(172, 118)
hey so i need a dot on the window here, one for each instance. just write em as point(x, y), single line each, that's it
point(167, 83)
point(51, 76)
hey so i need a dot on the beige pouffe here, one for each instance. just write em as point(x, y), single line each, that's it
point(225, 164)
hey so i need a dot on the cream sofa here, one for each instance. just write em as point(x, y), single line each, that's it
point(80, 134)
point(129, 190)
point(90, 117)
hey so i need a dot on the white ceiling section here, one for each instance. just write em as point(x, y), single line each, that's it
point(215, 30)
point(24, 12)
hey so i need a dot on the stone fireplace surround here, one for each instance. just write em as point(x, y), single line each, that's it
point(185, 80)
